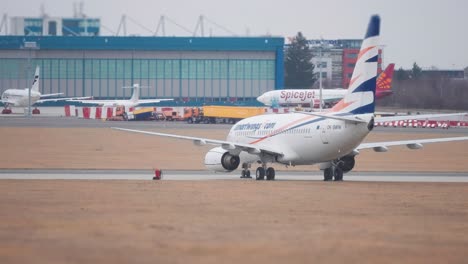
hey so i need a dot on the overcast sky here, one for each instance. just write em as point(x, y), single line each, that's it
point(431, 33)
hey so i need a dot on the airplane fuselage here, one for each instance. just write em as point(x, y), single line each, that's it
point(304, 97)
point(20, 97)
point(304, 139)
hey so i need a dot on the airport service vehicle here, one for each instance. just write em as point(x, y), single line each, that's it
point(330, 139)
point(311, 97)
point(132, 102)
point(121, 114)
point(20, 97)
point(220, 114)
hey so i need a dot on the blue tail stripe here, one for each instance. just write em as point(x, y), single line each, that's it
point(373, 59)
point(366, 109)
point(367, 86)
point(374, 27)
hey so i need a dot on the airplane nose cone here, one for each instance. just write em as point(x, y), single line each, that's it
point(261, 99)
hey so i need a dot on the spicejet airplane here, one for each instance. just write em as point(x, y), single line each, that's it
point(20, 97)
point(132, 102)
point(311, 97)
point(331, 139)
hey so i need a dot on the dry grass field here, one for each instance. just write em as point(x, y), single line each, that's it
point(103, 148)
point(222, 221)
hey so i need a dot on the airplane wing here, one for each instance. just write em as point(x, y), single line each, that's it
point(84, 101)
point(61, 99)
point(148, 101)
point(8, 102)
point(411, 144)
point(418, 117)
point(227, 145)
point(50, 95)
point(332, 100)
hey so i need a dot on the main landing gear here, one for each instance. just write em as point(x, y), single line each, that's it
point(333, 172)
point(260, 173)
point(263, 172)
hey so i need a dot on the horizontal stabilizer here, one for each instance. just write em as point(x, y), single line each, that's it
point(342, 118)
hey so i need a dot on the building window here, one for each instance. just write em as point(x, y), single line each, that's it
point(352, 55)
point(351, 65)
point(321, 64)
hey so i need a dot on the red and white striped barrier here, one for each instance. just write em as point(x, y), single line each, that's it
point(70, 110)
point(281, 110)
point(424, 124)
point(89, 112)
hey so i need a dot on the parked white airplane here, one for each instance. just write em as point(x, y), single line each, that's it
point(331, 139)
point(311, 97)
point(132, 102)
point(20, 97)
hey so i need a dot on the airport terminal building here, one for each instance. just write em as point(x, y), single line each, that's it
point(189, 69)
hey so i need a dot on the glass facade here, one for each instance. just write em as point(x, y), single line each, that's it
point(166, 77)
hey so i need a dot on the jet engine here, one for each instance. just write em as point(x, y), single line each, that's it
point(218, 159)
point(346, 163)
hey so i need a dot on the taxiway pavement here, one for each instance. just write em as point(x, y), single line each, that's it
point(207, 175)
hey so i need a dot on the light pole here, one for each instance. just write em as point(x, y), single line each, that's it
point(29, 45)
point(320, 74)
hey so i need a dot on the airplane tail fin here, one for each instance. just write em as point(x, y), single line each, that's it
point(384, 82)
point(136, 93)
point(360, 98)
point(35, 83)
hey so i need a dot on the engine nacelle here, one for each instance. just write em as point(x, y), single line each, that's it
point(218, 159)
point(347, 163)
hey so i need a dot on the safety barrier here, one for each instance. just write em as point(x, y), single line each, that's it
point(423, 124)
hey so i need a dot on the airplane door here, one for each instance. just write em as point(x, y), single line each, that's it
point(324, 133)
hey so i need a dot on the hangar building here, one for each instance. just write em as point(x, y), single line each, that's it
point(189, 69)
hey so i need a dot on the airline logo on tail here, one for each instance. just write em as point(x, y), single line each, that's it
point(35, 84)
point(360, 98)
point(384, 82)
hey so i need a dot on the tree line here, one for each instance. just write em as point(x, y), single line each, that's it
point(411, 89)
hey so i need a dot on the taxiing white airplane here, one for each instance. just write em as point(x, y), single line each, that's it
point(132, 102)
point(311, 97)
point(20, 97)
point(330, 139)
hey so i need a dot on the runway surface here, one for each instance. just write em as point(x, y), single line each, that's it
point(207, 175)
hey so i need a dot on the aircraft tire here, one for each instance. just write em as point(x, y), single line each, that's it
point(338, 174)
point(260, 174)
point(328, 174)
point(270, 174)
